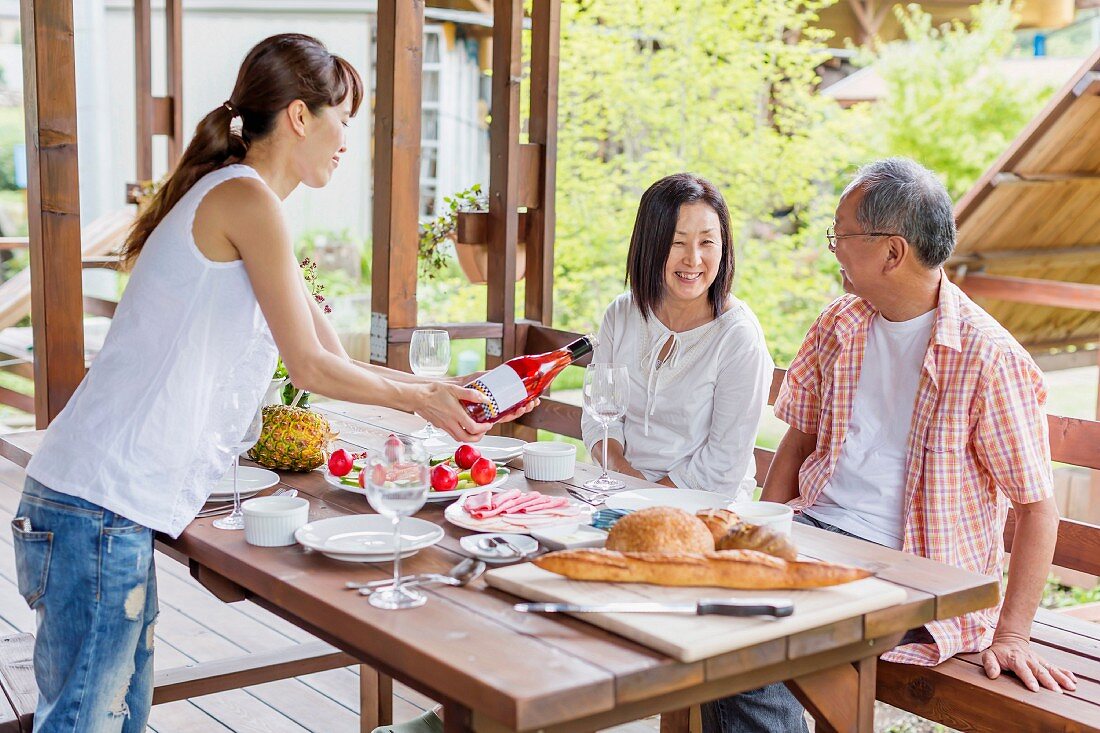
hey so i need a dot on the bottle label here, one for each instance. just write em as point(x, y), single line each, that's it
point(504, 389)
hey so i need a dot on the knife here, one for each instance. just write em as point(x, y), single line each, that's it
point(776, 607)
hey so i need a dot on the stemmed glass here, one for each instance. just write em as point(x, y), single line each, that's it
point(397, 487)
point(236, 443)
point(606, 390)
point(430, 356)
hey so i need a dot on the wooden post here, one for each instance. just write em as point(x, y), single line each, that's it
point(53, 203)
point(173, 17)
point(396, 177)
point(543, 131)
point(504, 176)
point(143, 89)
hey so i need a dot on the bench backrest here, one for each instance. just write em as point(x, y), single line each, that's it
point(1072, 441)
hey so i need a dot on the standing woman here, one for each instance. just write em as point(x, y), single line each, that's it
point(215, 294)
point(699, 366)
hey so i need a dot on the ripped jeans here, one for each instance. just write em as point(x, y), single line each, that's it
point(88, 574)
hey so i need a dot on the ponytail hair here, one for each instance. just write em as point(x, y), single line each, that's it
point(277, 71)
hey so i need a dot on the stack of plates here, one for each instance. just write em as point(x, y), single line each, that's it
point(690, 500)
point(366, 537)
point(250, 481)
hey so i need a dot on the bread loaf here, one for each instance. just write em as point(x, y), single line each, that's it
point(660, 529)
point(718, 521)
point(741, 569)
point(746, 536)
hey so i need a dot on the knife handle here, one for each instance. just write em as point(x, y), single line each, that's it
point(775, 607)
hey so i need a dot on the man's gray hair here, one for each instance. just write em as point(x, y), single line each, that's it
point(903, 197)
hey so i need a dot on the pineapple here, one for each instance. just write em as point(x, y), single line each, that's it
point(292, 438)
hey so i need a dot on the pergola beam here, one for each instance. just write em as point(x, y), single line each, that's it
point(1052, 293)
point(1079, 255)
point(396, 177)
point(53, 203)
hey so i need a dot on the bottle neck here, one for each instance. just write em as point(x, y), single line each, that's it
point(579, 348)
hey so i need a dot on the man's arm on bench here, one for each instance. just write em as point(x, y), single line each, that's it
point(781, 485)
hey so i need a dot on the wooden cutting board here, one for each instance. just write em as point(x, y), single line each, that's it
point(686, 637)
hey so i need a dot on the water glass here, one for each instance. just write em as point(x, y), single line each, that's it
point(397, 485)
point(430, 356)
point(606, 392)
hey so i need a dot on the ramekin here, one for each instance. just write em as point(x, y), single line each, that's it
point(270, 521)
point(549, 460)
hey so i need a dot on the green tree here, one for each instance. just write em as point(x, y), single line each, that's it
point(721, 88)
point(947, 103)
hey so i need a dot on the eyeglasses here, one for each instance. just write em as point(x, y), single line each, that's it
point(832, 236)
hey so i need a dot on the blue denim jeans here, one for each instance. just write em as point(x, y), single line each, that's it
point(774, 708)
point(88, 574)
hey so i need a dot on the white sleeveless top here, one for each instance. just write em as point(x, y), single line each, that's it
point(137, 436)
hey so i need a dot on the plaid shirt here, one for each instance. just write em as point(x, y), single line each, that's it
point(978, 439)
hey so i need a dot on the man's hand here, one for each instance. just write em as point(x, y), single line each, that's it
point(1010, 653)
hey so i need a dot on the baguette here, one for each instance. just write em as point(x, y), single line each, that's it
point(741, 569)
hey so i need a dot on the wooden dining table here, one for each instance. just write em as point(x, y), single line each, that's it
point(495, 669)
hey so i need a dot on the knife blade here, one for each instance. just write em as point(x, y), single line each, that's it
point(775, 607)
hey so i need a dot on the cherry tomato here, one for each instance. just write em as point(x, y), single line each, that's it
point(483, 471)
point(340, 463)
point(466, 456)
point(444, 478)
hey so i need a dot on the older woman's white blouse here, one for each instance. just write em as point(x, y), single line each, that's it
point(694, 416)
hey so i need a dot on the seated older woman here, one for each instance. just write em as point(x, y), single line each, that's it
point(699, 367)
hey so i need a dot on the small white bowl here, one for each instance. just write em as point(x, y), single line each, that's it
point(779, 517)
point(549, 460)
point(270, 521)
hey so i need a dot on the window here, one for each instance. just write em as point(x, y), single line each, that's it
point(429, 120)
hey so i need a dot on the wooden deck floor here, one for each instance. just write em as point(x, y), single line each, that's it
point(195, 627)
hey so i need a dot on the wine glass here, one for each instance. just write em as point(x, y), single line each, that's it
point(234, 442)
point(606, 390)
point(430, 356)
point(397, 486)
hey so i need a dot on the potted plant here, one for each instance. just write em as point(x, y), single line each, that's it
point(473, 257)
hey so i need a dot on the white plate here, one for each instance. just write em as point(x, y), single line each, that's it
point(690, 500)
point(456, 515)
point(366, 537)
point(433, 496)
point(499, 554)
point(493, 447)
point(250, 480)
point(565, 537)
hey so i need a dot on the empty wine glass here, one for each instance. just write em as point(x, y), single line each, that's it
point(430, 356)
point(231, 440)
point(397, 486)
point(606, 391)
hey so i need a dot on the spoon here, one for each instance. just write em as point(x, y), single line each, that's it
point(462, 574)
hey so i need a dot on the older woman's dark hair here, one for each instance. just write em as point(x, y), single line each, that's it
point(654, 230)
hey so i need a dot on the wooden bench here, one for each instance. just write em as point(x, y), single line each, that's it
point(957, 692)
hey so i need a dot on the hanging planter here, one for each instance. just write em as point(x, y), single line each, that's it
point(464, 222)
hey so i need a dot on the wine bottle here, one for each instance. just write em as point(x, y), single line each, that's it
point(517, 381)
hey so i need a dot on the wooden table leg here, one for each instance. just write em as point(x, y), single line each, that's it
point(676, 721)
point(375, 699)
point(841, 699)
point(457, 718)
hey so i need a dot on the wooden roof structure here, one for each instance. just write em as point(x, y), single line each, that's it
point(1029, 230)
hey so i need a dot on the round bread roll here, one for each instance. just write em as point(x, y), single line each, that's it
point(718, 521)
point(660, 529)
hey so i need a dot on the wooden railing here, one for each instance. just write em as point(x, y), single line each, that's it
point(1072, 441)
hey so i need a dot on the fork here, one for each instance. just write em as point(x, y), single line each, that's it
point(594, 499)
point(219, 510)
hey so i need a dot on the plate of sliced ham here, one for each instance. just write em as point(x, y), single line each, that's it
point(515, 511)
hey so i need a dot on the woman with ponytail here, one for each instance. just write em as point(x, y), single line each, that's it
point(214, 295)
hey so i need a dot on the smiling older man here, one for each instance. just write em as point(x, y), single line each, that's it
point(915, 422)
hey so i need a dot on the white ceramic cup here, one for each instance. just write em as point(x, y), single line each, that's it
point(779, 517)
point(270, 521)
point(549, 460)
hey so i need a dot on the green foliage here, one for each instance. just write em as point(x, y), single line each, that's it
point(947, 104)
point(721, 89)
point(1056, 595)
point(434, 255)
point(11, 134)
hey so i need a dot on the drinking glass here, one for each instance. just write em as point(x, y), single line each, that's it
point(430, 356)
point(234, 442)
point(606, 391)
point(397, 486)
